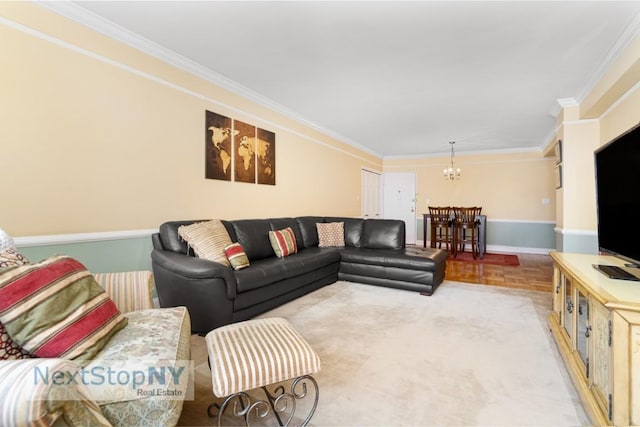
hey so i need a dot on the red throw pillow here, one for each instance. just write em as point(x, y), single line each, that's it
point(283, 242)
point(236, 256)
point(55, 308)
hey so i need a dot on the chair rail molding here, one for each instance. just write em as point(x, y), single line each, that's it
point(575, 232)
point(57, 239)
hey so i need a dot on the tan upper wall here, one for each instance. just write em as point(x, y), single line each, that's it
point(609, 110)
point(100, 137)
point(507, 186)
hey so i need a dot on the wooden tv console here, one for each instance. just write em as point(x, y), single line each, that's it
point(596, 324)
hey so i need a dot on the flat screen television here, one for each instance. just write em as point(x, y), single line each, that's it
point(617, 167)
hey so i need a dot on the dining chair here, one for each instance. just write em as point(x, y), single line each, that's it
point(466, 225)
point(441, 218)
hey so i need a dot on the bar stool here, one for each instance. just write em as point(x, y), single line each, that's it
point(467, 229)
point(441, 227)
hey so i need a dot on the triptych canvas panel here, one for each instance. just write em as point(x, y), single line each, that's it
point(238, 151)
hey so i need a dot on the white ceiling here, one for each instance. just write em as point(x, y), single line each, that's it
point(397, 78)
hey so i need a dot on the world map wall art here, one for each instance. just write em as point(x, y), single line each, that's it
point(238, 151)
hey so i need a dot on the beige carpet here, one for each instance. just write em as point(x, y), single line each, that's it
point(468, 355)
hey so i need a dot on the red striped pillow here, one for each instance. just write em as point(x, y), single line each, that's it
point(236, 255)
point(55, 308)
point(283, 242)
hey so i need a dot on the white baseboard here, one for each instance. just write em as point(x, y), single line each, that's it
point(507, 249)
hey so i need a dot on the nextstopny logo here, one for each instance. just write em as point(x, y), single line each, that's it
point(106, 381)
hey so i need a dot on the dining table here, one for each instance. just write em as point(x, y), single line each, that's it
point(482, 232)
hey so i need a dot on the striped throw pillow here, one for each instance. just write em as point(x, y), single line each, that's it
point(283, 242)
point(55, 308)
point(208, 240)
point(236, 256)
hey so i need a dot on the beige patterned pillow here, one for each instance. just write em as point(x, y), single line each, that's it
point(330, 234)
point(10, 257)
point(208, 240)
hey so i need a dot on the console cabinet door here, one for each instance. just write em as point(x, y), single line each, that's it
point(568, 317)
point(601, 372)
point(558, 291)
point(583, 328)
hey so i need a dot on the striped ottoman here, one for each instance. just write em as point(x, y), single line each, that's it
point(255, 354)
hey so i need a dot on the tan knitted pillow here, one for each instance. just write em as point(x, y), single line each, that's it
point(330, 234)
point(208, 240)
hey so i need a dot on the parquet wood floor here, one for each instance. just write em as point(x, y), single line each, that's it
point(534, 273)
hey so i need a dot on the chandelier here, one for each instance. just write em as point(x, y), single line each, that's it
point(451, 172)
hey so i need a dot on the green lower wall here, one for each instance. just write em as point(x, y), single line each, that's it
point(585, 243)
point(104, 256)
point(517, 236)
point(130, 254)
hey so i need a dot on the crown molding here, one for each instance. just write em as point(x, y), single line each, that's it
point(521, 150)
point(567, 102)
point(624, 40)
point(97, 23)
point(621, 44)
point(110, 29)
point(562, 103)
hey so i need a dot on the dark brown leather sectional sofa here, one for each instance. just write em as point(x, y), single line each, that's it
point(375, 253)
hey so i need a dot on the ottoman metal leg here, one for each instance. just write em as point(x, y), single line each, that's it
point(282, 403)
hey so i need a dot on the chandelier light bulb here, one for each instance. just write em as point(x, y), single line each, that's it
point(451, 173)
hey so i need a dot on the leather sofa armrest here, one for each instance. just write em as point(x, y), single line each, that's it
point(206, 288)
point(189, 267)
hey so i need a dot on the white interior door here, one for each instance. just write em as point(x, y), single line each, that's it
point(371, 194)
point(399, 189)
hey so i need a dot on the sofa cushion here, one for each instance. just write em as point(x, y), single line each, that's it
point(352, 230)
point(236, 256)
point(208, 240)
point(383, 234)
point(308, 230)
point(263, 272)
point(426, 259)
point(309, 260)
point(253, 235)
point(152, 339)
point(55, 308)
point(330, 234)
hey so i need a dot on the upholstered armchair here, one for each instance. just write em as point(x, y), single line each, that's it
point(26, 401)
